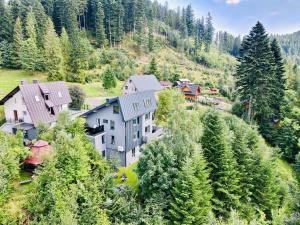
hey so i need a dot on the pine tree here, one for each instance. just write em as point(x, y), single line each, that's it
point(156, 170)
point(17, 43)
point(118, 16)
point(29, 51)
point(183, 26)
point(6, 25)
point(153, 68)
point(54, 61)
point(190, 201)
point(65, 48)
point(109, 79)
point(190, 20)
point(209, 32)
point(99, 24)
point(222, 164)
point(200, 34)
point(150, 32)
point(255, 75)
point(280, 80)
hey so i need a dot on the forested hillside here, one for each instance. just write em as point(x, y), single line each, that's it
point(210, 167)
point(291, 45)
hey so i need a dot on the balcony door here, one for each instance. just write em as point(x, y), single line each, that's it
point(16, 115)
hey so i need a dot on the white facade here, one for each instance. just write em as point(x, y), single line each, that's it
point(129, 87)
point(16, 110)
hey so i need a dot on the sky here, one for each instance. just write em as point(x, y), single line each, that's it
point(239, 16)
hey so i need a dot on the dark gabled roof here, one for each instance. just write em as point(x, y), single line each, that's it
point(132, 105)
point(35, 102)
point(193, 88)
point(137, 104)
point(146, 83)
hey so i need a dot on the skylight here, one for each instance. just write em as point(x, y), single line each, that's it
point(37, 98)
point(59, 94)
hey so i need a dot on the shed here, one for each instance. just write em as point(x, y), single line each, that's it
point(39, 152)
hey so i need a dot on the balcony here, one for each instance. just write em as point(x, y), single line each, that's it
point(94, 131)
point(157, 132)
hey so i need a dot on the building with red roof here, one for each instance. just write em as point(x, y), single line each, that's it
point(39, 152)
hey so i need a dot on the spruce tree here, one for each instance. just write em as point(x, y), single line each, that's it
point(65, 48)
point(54, 61)
point(280, 80)
point(99, 24)
point(221, 162)
point(256, 75)
point(183, 24)
point(153, 70)
point(190, 195)
point(17, 43)
point(190, 20)
point(109, 79)
point(209, 32)
point(200, 34)
point(6, 25)
point(29, 51)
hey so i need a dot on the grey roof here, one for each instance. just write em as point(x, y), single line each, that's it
point(132, 105)
point(36, 103)
point(193, 88)
point(137, 104)
point(146, 83)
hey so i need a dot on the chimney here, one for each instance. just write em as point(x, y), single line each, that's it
point(23, 82)
point(35, 81)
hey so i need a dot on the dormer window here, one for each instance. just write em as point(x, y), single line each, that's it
point(59, 94)
point(46, 97)
point(37, 99)
point(135, 106)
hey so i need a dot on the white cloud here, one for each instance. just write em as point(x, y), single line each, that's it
point(233, 2)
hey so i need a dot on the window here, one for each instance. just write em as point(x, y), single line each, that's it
point(126, 87)
point(59, 94)
point(147, 129)
point(147, 103)
point(103, 154)
point(24, 113)
point(46, 97)
point(136, 106)
point(147, 116)
point(23, 101)
point(133, 152)
point(52, 111)
point(112, 125)
point(135, 121)
point(99, 121)
point(116, 109)
point(136, 135)
point(103, 139)
point(105, 121)
point(112, 140)
point(37, 98)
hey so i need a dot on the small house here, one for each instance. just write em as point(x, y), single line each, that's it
point(190, 91)
point(32, 103)
point(140, 83)
point(39, 152)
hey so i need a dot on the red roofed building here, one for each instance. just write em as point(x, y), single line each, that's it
point(39, 151)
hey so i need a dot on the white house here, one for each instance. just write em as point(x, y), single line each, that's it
point(30, 104)
point(140, 83)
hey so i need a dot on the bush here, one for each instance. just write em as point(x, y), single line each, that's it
point(77, 96)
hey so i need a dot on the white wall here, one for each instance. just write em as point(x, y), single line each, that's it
point(130, 158)
point(16, 103)
point(146, 123)
point(130, 88)
point(119, 132)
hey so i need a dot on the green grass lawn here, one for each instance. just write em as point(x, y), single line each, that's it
point(132, 179)
point(9, 79)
